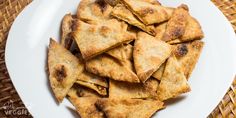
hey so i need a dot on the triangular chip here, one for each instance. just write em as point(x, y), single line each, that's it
point(93, 11)
point(125, 90)
point(193, 31)
point(66, 29)
point(121, 12)
point(107, 66)
point(129, 108)
point(149, 54)
point(187, 55)
point(173, 82)
point(99, 89)
point(64, 69)
point(158, 74)
point(93, 40)
point(85, 106)
point(176, 26)
point(80, 91)
point(160, 30)
point(147, 12)
point(122, 53)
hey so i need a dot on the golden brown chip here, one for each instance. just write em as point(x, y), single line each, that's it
point(158, 74)
point(66, 29)
point(129, 108)
point(176, 26)
point(125, 90)
point(107, 66)
point(80, 91)
point(64, 69)
point(160, 30)
point(121, 12)
point(149, 53)
point(147, 12)
point(187, 55)
point(93, 11)
point(99, 89)
point(85, 106)
point(173, 82)
point(122, 53)
point(112, 2)
point(93, 40)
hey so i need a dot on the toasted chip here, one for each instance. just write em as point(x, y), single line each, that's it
point(112, 2)
point(107, 66)
point(160, 30)
point(193, 31)
point(64, 69)
point(176, 26)
point(99, 89)
point(122, 53)
point(93, 40)
point(129, 108)
point(85, 106)
point(147, 12)
point(124, 90)
point(158, 74)
point(93, 11)
point(121, 12)
point(149, 54)
point(80, 91)
point(173, 82)
point(93, 79)
point(187, 55)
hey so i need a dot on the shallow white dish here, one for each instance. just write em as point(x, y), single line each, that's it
point(26, 54)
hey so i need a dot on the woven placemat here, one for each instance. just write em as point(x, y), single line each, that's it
point(11, 105)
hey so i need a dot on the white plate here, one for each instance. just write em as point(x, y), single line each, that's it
point(28, 39)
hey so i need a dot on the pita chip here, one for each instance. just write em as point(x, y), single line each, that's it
point(158, 74)
point(66, 29)
point(160, 30)
point(129, 108)
point(176, 26)
point(121, 12)
point(64, 68)
point(122, 53)
point(187, 55)
point(173, 82)
point(193, 31)
point(93, 11)
point(81, 91)
point(147, 12)
point(99, 89)
point(107, 66)
point(93, 40)
point(125, 90)
point(149, 53)
point(85, 106)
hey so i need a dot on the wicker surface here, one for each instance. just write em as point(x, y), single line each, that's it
point(10, 99)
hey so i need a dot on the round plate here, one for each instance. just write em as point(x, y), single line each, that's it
point(26, 55)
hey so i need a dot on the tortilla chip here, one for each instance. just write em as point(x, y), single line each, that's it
point(112, 2)
point(122, 53)
point(121, 12)
point(80, 91)
point(173, 82)
point(176, 26)
point(93, 11)
point(158, 74)
point(149, 54)
point(147, 12)
point(99, 89)
point(193, 31)
point(64, 69)
point(85, 106)
point(66, 29)
point(129, 108)
point(107, 66)
point(125, 90)
point(93, 40)
point(160, 30)
point(187, 55)
point(93, 79)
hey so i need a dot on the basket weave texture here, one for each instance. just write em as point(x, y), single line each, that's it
point(11, 100)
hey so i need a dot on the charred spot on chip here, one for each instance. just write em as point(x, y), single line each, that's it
point(181, 50)
point(102, 5)
point(146, 11)
point(178, 32)
point(60, 72)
